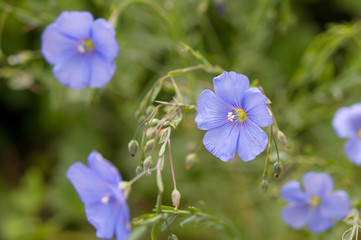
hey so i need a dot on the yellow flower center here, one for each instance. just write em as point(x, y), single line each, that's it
point(315, 201)
point(86, 46)
point(238, 115)
point(359, 133)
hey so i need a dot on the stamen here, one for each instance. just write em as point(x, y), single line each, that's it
point(105, 200)
point(238, 115)
point(230, 116)
point(315, 201)
point(86, 46)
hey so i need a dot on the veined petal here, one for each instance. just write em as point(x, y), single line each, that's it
point(318, 223)
point(352, 149)
point(122, 230)
point(319, 184)
point(336, 206)
point(56, 46)
point(103, 217)
point(101, 71)
point(211, 111)
point(103, 36)
point(292, 192)
point(252, 141)
point(296, 215)
point(88, 185)
point(73, 72)
point(230, 87)
point(254, 104)
point(103, 168)
point(75, 24)
point(222, 141)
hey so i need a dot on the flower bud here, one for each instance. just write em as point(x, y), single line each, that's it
point(176, 198)
point(133, 147)
point(149, 145)
point(282, 138)
point(277, 169)
point(264, 185)
point(191, 159)
point(147, 164)
point(172, 237)
point(149, 110)
point(139, 170)
point(154, 122)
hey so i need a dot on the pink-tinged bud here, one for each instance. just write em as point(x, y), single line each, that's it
point(176, 198)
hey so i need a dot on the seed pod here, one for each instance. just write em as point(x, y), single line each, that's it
point(133, 147)
point(149, 145)
point(176, 198)
point(277, 169)
point(147, 164)
point(264, 185)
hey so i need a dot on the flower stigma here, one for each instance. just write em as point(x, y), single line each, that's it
point(86, 46)
point(238, 115)
point(105, 200)
point(315, 201)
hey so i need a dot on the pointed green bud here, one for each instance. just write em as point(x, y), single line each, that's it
point(149, 110)
point(191, 159)
point(154, 122)
point(172, 237)
point(147, 164)
point(139, 170)
point(176, 198)
point(264, 185)
point(277, 169)
point(282, 138)
point(133, 147)
point(149, 145)
point(126, 187)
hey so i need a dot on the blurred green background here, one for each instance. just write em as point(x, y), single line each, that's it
point(306, 55)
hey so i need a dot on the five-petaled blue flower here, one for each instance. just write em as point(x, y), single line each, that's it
point(82, 50)
point(99, 189)
point(232, 117)
point(317, 207)
point(347, 124)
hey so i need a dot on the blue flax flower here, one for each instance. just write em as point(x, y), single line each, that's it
point(317, 207)
point(347, 124)
point(82, 50)
point(232, 117)
point(99, 189)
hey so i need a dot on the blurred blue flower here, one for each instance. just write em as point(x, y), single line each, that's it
point(232, 117)
point(317, 207)
point(347, 124)
point(99, 189)
point(82, 50)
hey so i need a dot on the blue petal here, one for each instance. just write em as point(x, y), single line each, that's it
point(123, 226)
point(318, 223)
point(56, 46)
point(211, 111)
point(103, 217)
point(252, 141)
point(352, 149)
point(347, 121)
point(88, 185)
point(292, 192)
point(336, 206)
point(76, 25)
point(319, 184)
point(103, 168)
point(222, 141)
point(296, 215)
point(254, 104)
point(73, 72)
point(230, 87)
point(101, 71)
point(103, 37)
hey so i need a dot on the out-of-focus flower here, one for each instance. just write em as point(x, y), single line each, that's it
point(347, 124)
point(317, 207)
point(82, 50)
point(232, 117)
point(99, 188)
